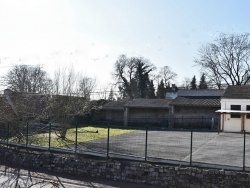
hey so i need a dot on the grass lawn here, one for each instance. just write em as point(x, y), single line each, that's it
point(84, 134)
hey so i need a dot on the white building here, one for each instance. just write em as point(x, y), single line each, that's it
point(235, 109)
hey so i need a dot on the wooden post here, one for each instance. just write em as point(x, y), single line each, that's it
point(219, 122)
point(126, 116)
point(244, 115)
point(244, 151)
point(223, 121)
point(243, 122)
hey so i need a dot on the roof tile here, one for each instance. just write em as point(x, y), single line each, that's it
point(200, 93)
point(237, 92)
point(148, 103)
point(182, 101)
point(114, 105)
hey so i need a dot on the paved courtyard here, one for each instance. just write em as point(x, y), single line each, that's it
point(207, 147)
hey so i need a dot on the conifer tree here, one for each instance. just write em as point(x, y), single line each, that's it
point(203, 83)
point(193, 84)
point(111, 95)
point(161, 91)
point(142, 78)
point(151, 90)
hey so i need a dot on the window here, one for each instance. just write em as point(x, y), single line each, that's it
point(235, 107)
point(248, 109)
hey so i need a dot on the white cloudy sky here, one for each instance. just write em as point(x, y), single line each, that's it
point(91, 34)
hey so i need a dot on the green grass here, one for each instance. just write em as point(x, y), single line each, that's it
point(85, 134)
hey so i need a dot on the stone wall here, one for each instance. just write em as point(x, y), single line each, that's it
point(131, 171)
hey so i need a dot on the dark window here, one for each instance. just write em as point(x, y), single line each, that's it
point(248, 109)
point(235, 107)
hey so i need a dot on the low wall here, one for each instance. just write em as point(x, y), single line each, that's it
point(139, 172)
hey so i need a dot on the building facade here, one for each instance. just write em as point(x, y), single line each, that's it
point(235, 109)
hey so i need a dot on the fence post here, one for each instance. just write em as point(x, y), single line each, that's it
point(244, 151)
point(146, 144)
point(49, 136)
point(108, 141)
point(191, 146)
point(27, 134)
point(8, 130)
point(76, 138)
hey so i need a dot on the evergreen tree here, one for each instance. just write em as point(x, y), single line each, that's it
point(168, 87)
point(111, 95)
point(193, 84)
point(203, 83)
point(161, 91)
point(151, 90)
point(142, 79)
point(134, 87)
point(132, 76)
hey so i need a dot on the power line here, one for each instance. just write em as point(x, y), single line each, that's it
point(20, 64)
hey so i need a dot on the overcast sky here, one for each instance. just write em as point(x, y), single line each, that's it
point(91, 34)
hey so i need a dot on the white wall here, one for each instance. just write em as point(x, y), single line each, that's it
point(234, 124)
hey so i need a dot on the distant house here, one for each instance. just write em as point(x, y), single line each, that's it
point(181, 109)
point(171, 93)
point(134, 112)
point(147, 111)
point(7, 109)
point(235, 109)
point(22, 106)
point(111, 112)
point(34, 106)
point(195, 108)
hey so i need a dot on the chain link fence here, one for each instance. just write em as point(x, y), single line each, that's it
point(194, 147)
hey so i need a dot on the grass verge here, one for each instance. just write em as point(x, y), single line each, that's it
point(84, 134)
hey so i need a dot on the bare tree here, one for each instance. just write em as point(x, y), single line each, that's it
point(24, 78)
point(102, 93)
point(62, 109)
point(16, 178)
point(60, 106)
point(70, 98)
point(186, 83)
point(69, 82)
point(64, 103)
point(167, 75)
point(86, 86)
point(56, 82)
point(226, 61)
point(123, 73)
point(66, 81)
point(132, 76)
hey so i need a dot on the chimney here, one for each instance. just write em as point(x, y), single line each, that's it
point(173, 87)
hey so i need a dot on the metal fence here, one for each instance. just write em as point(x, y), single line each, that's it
point(175, 122)
point(190, 147)
point(195, 122)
